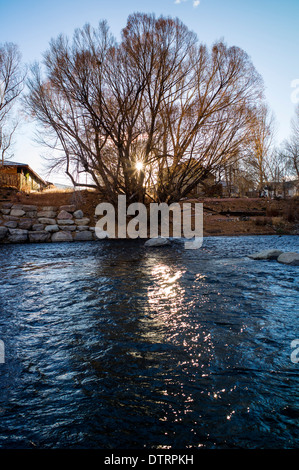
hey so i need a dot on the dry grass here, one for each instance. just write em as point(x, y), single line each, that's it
point(282, 215)
point(52, 197)
point(278, 221)
point(49, 197)
point(291, 213)
point(273, 210)
point(262, 221)
point(284, 210)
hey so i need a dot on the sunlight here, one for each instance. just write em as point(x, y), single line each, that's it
point(139, 166)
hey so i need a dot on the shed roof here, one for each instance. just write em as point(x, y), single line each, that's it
point(23, 165)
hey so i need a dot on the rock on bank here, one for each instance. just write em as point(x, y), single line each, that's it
point(21, 223)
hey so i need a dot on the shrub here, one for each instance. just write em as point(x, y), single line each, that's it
point(263, 221)
point(272, 211)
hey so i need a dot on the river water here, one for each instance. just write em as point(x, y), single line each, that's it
point(111, 345)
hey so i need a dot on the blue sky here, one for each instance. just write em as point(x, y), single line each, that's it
point(268, 30)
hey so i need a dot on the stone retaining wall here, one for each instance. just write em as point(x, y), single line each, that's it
point(21, 223)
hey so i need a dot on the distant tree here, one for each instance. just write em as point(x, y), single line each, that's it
point(11, 85)
point(277, 170)
point(260, 154)
point(290, 147)
point(148, 117)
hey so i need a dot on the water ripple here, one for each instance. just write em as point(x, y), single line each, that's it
point(109, 345)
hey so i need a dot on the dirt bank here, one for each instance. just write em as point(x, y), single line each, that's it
point(227, 216)
point(244, 216)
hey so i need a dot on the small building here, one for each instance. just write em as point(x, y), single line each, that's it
point(283, 189)
point(20, 176)
point(228, 189)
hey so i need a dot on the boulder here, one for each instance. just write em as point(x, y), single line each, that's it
point(158, 241)
point(3, 232)
point(52, 228)
point(7, 205)
point(37, 227)
point(83, 236)
point(68, 208)
point(67, 228)
point(82, 227)
point(62, 237)
point(39, 236)
point(29, 208)
point(49, 208)
point(11, 224)
point(46, 221)
point(17, 235)
point(31, 214)
point(78, 214)
point(17, 212)
point(290, 258)
point(25, 224)
point(100, 234)
point(10, 217)
point(84, 221)
point(64, 215)
point(5, 211)
point(47, 214)
point(266, 254)
point(65, 222)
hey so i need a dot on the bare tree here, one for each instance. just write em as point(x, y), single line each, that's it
point(290, 147)
point(150, 116)
point(7, 132)
point(260, 154)
point(277, 170)
point(11, 85)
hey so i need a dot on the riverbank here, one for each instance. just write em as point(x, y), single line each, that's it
point(222, 217)
point(246, 216)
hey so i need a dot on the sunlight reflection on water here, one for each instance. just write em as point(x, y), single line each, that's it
point(111, 345)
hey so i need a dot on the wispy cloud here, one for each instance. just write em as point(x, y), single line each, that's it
point(195, 2)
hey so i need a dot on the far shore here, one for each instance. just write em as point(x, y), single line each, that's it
point(228, 217)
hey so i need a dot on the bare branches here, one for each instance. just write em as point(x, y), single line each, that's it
point(11, 78)
point(260, 152)
point(290, 148)
point(158, 99)
point(11, 85)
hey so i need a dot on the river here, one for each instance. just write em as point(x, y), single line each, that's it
point(113, 345)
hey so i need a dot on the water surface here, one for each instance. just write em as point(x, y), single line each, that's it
point(110, 345)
